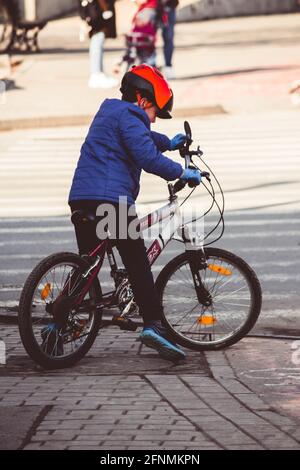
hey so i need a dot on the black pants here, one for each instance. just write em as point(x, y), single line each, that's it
point(134, 257)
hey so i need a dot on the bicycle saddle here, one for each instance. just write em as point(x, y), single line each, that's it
point(81, 216)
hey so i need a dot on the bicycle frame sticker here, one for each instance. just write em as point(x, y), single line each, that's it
point(154, 251)
point(166, 233)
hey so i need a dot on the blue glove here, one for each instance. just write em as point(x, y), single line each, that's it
point(191, 176)
point(178, 141)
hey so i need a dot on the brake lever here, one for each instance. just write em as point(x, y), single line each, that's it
point(199, 152)
point(185, 150)
point(205, 174)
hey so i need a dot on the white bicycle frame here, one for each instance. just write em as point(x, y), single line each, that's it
point(171, 211)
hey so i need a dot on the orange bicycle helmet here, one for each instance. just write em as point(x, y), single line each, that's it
point(150, 83)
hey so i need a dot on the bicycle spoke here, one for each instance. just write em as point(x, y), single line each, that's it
point(56, 342)
point(189, 311)
point(230, 303)
point(230, 294)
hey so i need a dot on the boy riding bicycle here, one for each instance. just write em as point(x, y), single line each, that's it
point(118, 147)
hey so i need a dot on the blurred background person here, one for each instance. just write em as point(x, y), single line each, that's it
point(168, 8)
point(141, 40)
point(100, 17)
point(144, 24)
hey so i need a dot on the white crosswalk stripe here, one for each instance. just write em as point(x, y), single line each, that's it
point(256, 160)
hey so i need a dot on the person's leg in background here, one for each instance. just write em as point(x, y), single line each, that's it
point(96, 52)
point(168, 32)
point(98, 79)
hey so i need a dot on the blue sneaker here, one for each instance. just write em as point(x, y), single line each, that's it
point(167, 350)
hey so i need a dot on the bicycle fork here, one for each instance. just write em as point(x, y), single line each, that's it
point(197, 262)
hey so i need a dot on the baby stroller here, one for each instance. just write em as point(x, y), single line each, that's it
point(140, 42)
point(140, 48)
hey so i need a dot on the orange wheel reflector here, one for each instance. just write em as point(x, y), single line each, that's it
point(46, 291)
point(207, 320)
point(220, 270)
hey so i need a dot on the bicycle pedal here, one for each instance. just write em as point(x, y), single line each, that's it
point(124, 324)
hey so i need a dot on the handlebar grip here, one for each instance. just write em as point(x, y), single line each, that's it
point(179, 185)
point(204, 174)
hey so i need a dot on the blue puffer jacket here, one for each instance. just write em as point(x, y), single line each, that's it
point(118, 147)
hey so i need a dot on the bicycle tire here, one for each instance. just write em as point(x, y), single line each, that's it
point(254, 289)
point(25, 322)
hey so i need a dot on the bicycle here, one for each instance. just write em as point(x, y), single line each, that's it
point(211, 298)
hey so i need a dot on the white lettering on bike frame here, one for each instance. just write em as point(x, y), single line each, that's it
point(169, 220)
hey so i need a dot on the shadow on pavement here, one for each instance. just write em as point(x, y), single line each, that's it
point(111, 363)
point(11, 85)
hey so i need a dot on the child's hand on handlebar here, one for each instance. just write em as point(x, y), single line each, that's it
point(191, 176)
point(178, 141)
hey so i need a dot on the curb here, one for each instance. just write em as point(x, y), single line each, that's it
point(65, 121)
point(41, 122)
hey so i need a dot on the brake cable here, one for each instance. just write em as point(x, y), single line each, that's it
point(221, 211)
point(214, 202)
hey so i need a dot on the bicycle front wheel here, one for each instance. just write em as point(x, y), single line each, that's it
point(50, 286)
point(235, 301)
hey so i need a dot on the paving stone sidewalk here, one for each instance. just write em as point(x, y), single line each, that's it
point(120, 397)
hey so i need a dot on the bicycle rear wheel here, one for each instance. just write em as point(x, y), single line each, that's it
point(48, 343)
point(236, 301)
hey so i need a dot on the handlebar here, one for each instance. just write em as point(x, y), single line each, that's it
point(187, 154)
